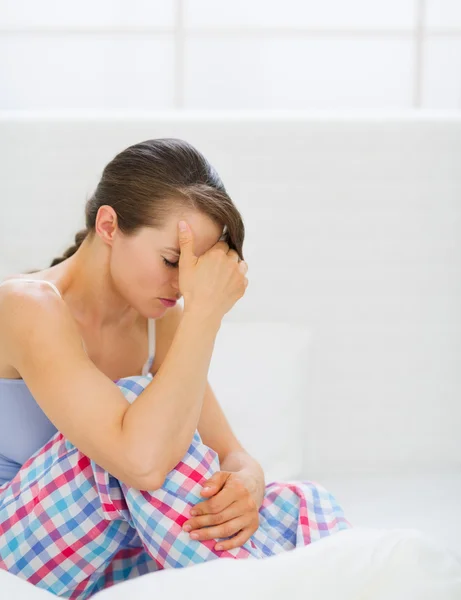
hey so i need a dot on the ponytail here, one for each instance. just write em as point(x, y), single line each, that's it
point(79, 237)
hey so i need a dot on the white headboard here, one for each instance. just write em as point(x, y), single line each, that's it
point(353, 227)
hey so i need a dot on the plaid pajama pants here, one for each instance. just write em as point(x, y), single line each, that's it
point(68, 526)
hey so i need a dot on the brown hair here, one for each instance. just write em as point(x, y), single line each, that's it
point(146, 182)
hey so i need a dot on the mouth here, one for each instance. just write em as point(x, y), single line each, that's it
point(168, 301)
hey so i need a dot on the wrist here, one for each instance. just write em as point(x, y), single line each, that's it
point(255, 484)
point(203, 318)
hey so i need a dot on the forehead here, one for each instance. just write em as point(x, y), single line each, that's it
point(205, 231)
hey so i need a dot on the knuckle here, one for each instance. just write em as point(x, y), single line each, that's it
point(216, 519)
point(251, 504)
point(218, 252)
point(223, 247)
point(240, 486)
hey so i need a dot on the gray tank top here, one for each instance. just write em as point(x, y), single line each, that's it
point(24, 427)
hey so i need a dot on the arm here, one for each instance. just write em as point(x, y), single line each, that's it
point(216, 433)
point(138, 443)
point(213, 427)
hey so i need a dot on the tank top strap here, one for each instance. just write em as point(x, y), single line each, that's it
point(36, 280)
point(151, 346)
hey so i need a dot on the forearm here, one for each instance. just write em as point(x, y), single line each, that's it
point(159, 426)
point(249, 468)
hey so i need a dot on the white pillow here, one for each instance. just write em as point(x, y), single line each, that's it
point(258, 372)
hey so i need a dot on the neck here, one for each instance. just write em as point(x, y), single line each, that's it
point(88, 289)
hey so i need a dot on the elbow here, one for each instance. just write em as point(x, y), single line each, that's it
point(150, 483)
point(144, 478)
point(149, 479)
point(133, 479)
point(141, 475)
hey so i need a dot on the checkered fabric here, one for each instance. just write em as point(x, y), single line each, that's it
point(68, 526)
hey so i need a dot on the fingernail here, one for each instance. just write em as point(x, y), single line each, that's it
point(187, 527)
point(194, 535)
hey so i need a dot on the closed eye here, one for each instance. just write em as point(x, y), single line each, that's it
point(170, 264)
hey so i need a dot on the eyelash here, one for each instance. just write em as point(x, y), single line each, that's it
point(170, 264)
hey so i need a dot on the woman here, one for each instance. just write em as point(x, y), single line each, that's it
point(94, 487)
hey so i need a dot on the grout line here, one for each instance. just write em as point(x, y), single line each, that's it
point(418, 53)
point(86, 30)
point(400, 115)
point(312, 32)
point(231, 32)
point(459, 107)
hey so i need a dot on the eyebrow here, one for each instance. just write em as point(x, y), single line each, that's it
point(175, 250)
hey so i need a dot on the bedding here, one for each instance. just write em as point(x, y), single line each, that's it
point(354, 564)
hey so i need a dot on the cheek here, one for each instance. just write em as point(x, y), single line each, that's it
point(125, 257)
point(130, 264)
point(150, 272)
point(139, 268)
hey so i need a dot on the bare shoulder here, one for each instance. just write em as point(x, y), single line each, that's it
point(165, 329)
point(17, 295)
point(30, 311)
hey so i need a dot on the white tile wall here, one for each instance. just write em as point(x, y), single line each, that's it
point(356, 14)
point(442, 56)
point(443, 14)
point(59, 71)
point(297, 73)
point(141, 54)
point(86, 13)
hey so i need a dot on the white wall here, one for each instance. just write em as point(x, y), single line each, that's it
point(208, 54)
point(352, 228)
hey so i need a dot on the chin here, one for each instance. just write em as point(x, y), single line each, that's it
point(149, 312)
point(158, 311)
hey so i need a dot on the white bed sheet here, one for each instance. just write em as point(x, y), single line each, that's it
point(356, 564)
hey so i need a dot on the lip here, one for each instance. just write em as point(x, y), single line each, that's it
point(167, 302)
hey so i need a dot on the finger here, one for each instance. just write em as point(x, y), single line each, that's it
point(231, 512)
point(234, 255)
point(236, 541)
point(215, 482)
point(211, 487)
point(223, 245)
point(243, 266)
point(221, 500)
point(186, 240)
point(220, 531)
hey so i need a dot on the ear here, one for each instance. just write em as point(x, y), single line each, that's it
point(106, 224)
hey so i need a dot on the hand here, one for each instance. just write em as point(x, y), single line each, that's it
point(231, 510)
point(213, 282)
